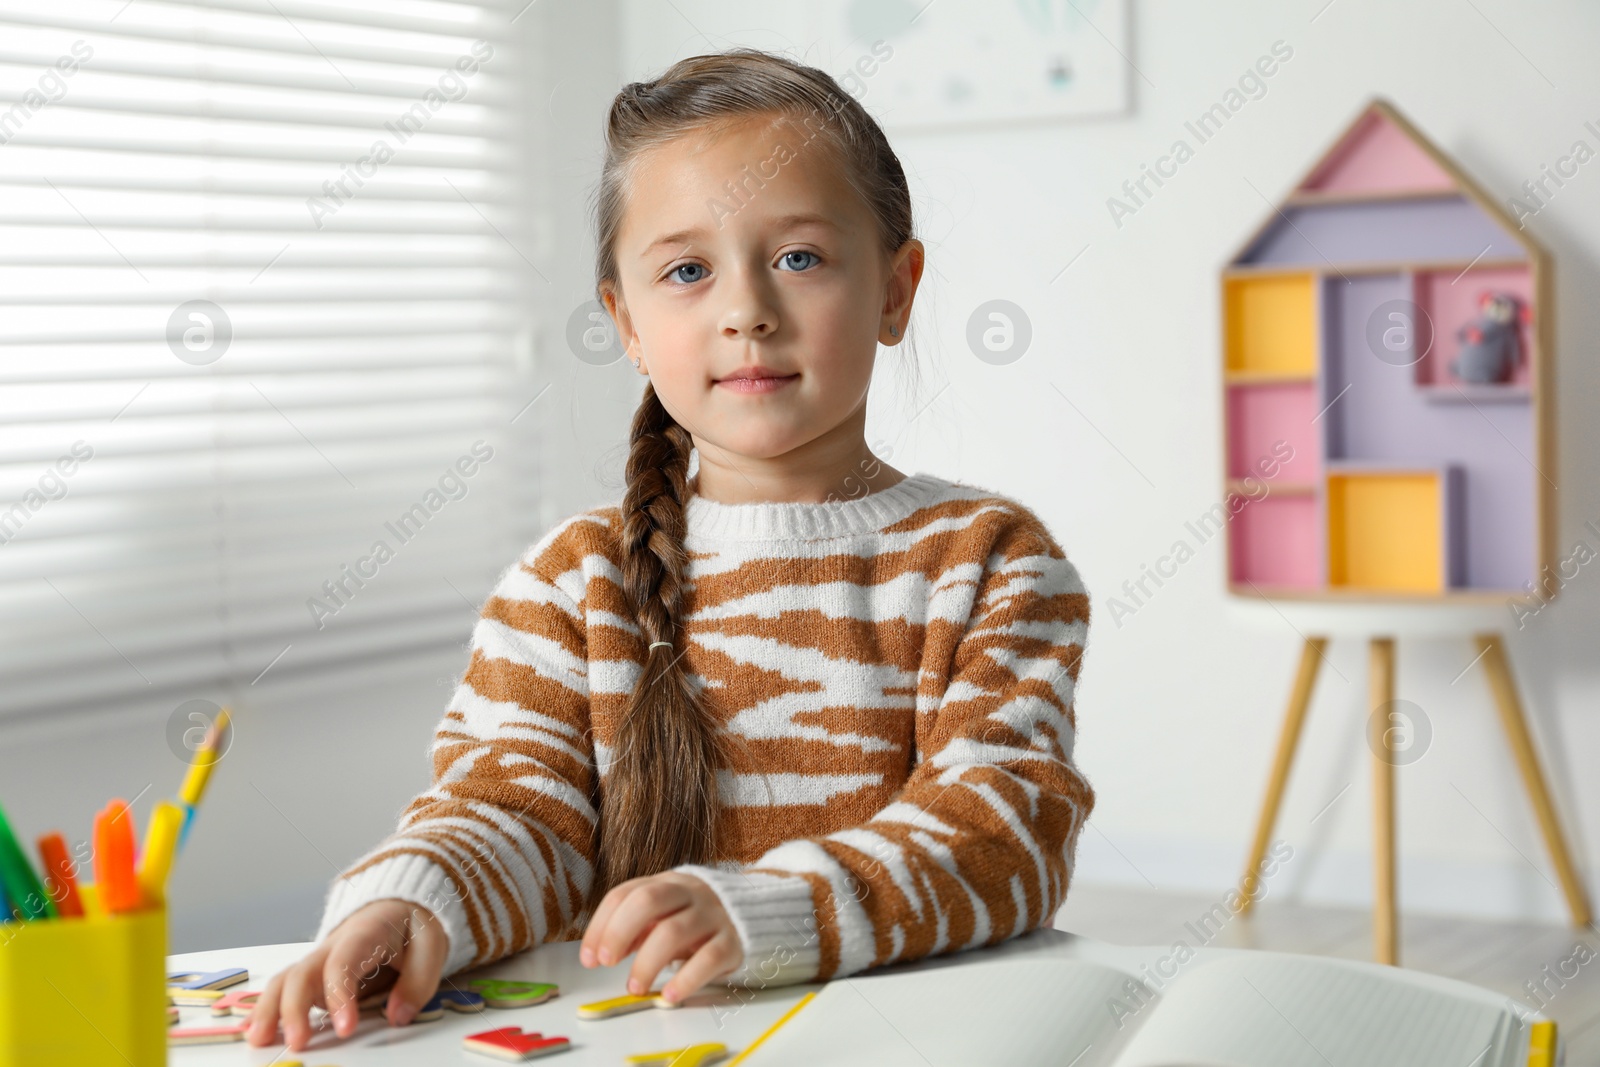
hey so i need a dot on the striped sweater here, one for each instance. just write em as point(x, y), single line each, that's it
point(901, 668)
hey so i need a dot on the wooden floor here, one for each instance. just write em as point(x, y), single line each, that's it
point(1497, 955)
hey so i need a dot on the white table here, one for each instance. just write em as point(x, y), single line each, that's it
point(716, 1013)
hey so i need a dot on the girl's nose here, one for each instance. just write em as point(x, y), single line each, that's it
point(750, 310)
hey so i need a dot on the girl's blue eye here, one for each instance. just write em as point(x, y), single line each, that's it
point(677, 272)
point(789, 258)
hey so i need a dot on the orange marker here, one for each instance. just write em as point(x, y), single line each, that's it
point(114, 872)
point(60, 880)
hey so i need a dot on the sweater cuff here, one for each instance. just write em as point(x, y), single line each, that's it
point(412, 878)
point(776, 919)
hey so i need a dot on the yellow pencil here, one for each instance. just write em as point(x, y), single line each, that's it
point(194, 783)
point(769, 1031)
point(161, 841)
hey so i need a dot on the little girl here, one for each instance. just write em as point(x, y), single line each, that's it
point(791, 717)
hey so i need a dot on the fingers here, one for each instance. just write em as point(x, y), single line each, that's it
point(353, 961)
point(660, 920)
point(674, 938)
point(650, 903)
point(594, 935)
point(421, 965)
point(287, 999)
point(302, 987)
point(264, 1016)
point(720, 955)
point(359, 955)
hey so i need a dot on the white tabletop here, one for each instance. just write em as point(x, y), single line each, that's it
point(716, 1013)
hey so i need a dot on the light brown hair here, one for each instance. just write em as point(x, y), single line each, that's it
point(659, 804)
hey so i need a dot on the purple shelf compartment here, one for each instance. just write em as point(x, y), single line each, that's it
point(1386, 418)
point(1406, 230)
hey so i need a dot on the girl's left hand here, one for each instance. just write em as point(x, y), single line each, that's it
point(666, 917)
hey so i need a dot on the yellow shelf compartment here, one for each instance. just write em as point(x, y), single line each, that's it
point(1270, 325)
point(1393, 528)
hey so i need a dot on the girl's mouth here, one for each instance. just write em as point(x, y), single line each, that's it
point(756, 385)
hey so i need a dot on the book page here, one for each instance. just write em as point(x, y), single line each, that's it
point(1020, 1012)
point(1268, 1010)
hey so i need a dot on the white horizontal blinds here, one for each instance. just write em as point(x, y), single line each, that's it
point(335, 179)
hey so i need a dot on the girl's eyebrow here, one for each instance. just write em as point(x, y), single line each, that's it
point(782, 222)
point(804, 218)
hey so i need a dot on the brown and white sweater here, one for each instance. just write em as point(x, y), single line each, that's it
point(901, 668)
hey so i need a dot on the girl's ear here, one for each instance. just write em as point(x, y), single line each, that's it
point(618, 310)
point(905, 273)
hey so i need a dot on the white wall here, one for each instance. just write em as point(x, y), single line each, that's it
point(1180, 705)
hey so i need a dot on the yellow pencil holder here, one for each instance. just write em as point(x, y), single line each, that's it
point(84, 991)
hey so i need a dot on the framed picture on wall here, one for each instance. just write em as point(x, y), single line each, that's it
point(918, 64)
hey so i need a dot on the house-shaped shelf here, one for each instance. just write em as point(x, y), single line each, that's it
point(1386, 354)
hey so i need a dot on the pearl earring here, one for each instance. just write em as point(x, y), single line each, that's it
point(636, 364)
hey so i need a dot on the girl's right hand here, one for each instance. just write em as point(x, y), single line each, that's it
point(358, 957)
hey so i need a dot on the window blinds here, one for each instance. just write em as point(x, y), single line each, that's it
point(263, 268)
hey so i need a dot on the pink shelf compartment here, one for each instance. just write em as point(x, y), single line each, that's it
point(1377, 157)
point(1262, 414)
point(1448, 301)
point(1276, 542)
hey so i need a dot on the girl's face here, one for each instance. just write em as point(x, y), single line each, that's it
point(744, 248)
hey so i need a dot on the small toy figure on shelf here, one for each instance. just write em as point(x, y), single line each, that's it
point(1492, 346)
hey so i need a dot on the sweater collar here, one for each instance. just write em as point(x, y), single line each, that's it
point(766, 521)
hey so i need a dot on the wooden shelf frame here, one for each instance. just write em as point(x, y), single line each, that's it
point(1538, 392)
point(1315, 197)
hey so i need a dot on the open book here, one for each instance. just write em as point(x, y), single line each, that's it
point(1053, 999)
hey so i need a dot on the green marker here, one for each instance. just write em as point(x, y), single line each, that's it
point(27, 893)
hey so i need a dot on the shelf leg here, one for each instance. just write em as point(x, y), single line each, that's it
point(1305, 680)
point(1385, 931)
point(1496, 666)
